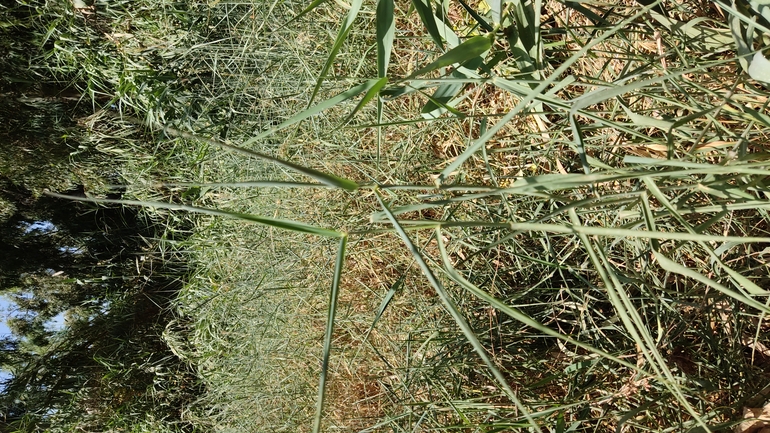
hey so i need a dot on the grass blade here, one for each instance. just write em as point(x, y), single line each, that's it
point(632, 321)
point(425, 11)
point(316, 109)
point(325, 178)
point(518, 315)
point(676, 268)
point(384, 304)
point(443, 100)
point(332, 311)
point(462, 323)
point(742, 281)
point(530, 50)
point(482, 22)
point(370, 93)
point(347, 25)
point(386, 32)
point(531, 96)
point(246, 184)
point(305, 11)
point(468, 50)
point(290, 225)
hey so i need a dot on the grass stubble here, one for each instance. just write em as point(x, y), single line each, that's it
point(576, 247)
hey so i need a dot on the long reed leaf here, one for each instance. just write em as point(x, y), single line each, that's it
point(466, 51)
point(347, 25)
point(339, 265)
point(325, 178)
point(632, 322)
point(386, 33)
point(320, 107)
point(461, 322)
point(742, 281)
point(294, 226)
point(532, 95)
point(520, 316)
point(428, 18)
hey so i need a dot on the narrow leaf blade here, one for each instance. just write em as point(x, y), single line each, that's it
point(318, 108)
point(290, 225)
point(470, 49)
point(331, 313)
point(425, 11)
point(386, 32)
point(355, 7)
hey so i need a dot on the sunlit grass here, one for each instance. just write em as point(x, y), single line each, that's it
point(561, 230)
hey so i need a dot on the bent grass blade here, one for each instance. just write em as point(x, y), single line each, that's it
point(290, 225)
point(305, 11)
point(742, 281)
point(461, 322)
point(533, 95)
point(518, 315)
point(367, 86)
point(428, 18)
point(632, 322)
point(386, 33)
point(470, 49)
point(368, 96)
point(325, 178)
point(347, 25)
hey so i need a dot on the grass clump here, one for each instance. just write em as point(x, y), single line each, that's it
point(535, 216)
point(581, 190)
point(581, 196)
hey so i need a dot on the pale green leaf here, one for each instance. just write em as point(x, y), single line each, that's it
point(470, 49)
point(320, 107)
point(331, 313)
point(459, 319)
point(759, 69)
point(290, 225)
point(347, 25)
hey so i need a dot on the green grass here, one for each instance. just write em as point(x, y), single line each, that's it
point(560, 231)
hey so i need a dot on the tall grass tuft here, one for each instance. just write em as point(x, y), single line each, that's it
point(549, 216)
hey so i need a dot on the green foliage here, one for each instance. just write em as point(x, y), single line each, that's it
point(109, 357)
point(749, 23)
point(583, 193)
point(562, 253)
point(111, 273)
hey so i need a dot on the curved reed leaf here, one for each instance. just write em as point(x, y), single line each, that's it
point(632, 321)
point(531, 96)
point(347, 25)
point(314, 4)
point(520, 316)
point(290, 225)
point(461, 322)
point(368, 96)
point(469, 49)
point(386, 33)
point(321, 106)
point(742, 281)
point(428, 18)
point(325, 178)
point(479, 19)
